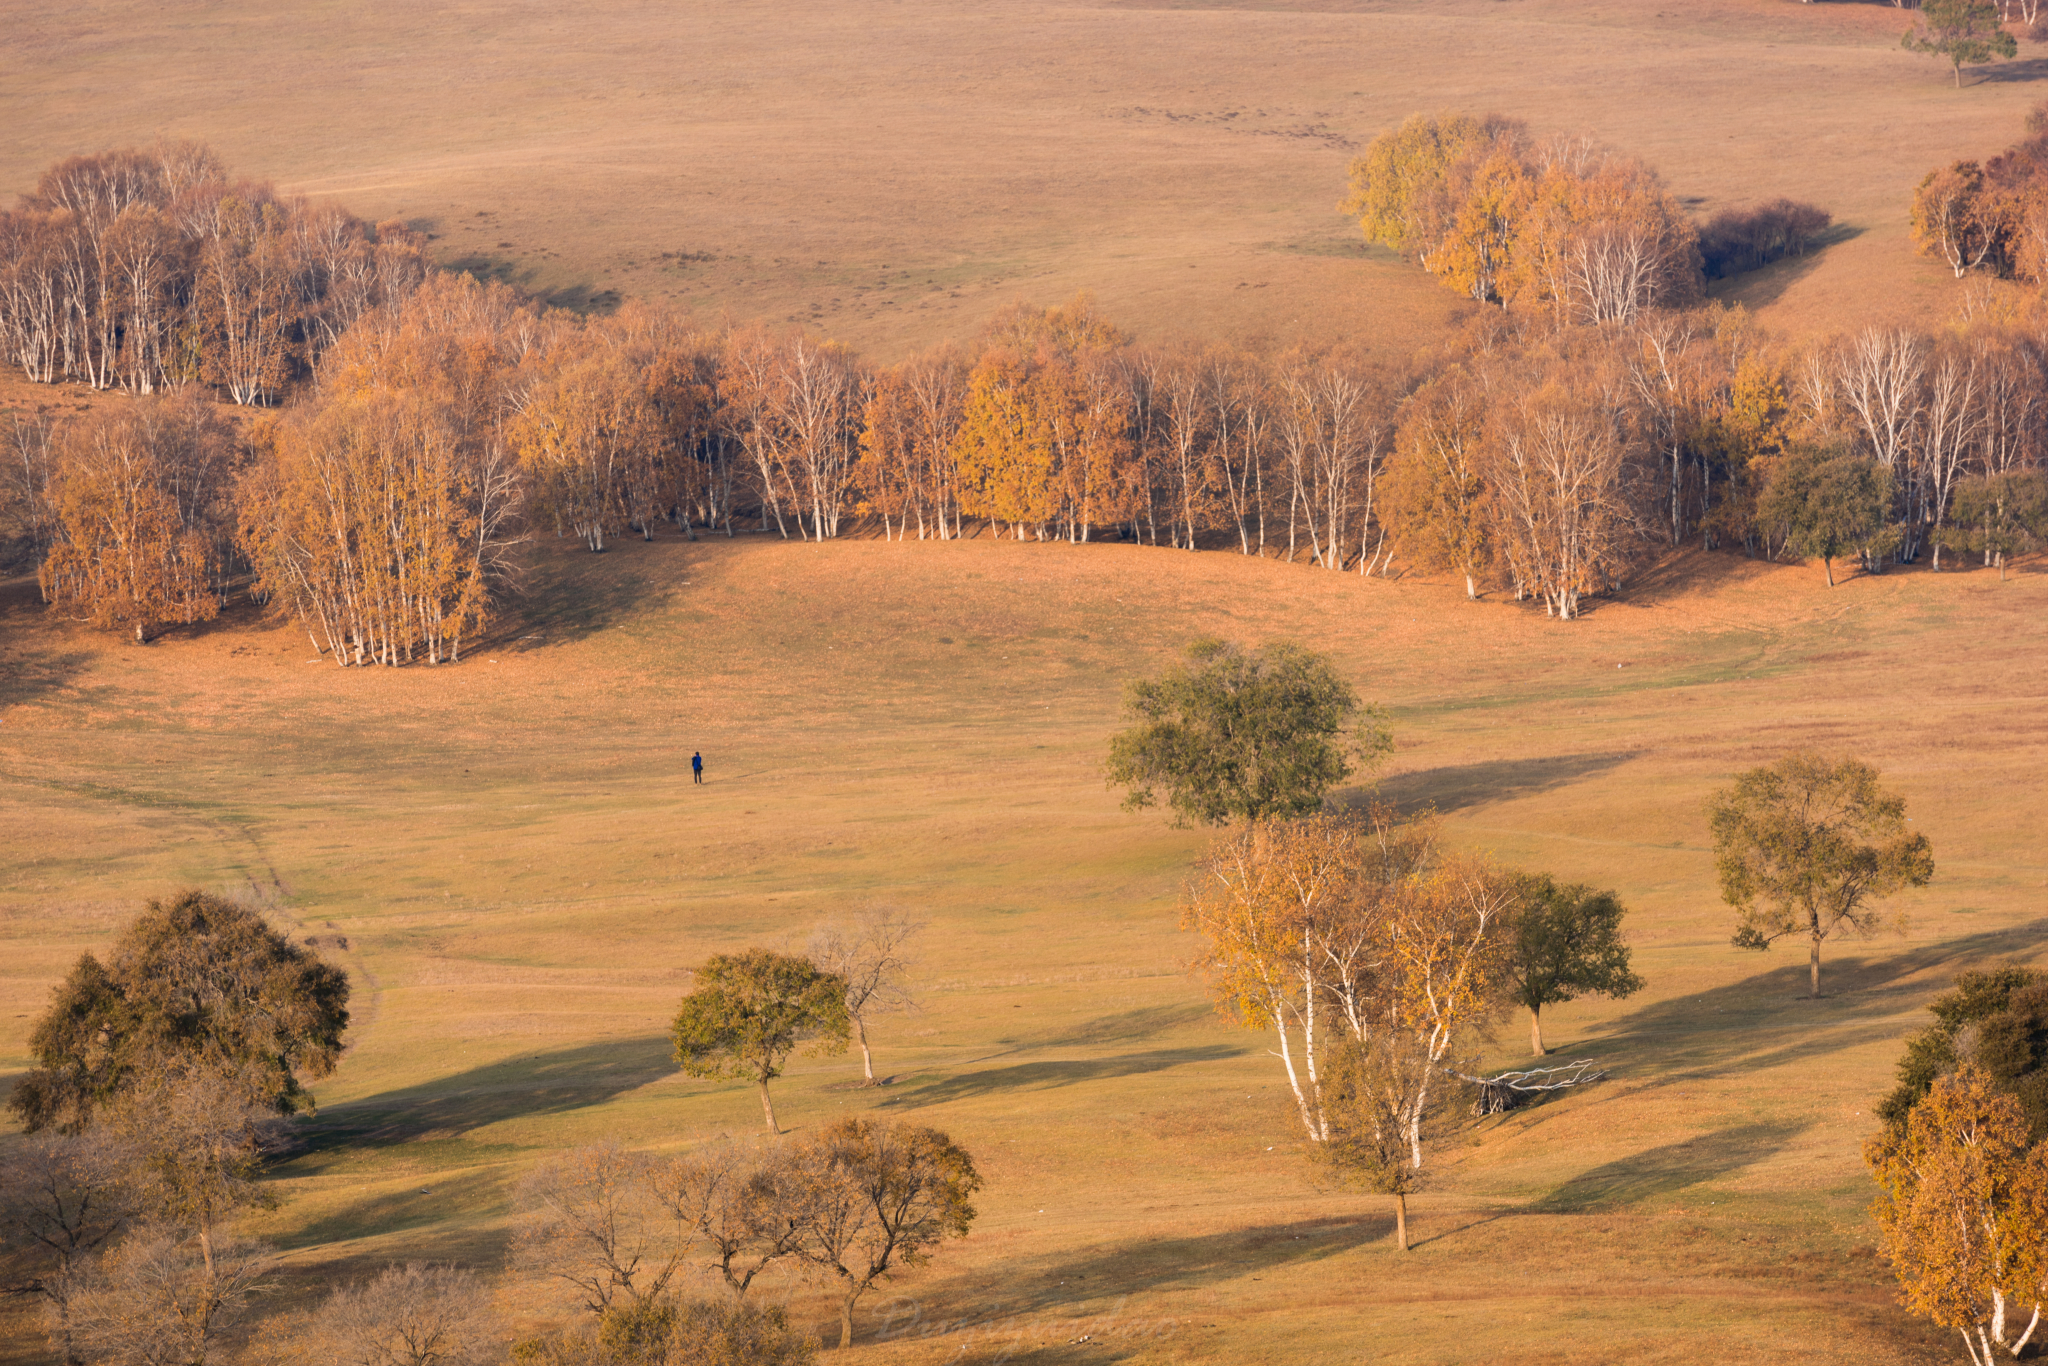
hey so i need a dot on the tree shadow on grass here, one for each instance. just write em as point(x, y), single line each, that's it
point(517, 1088)
point(1457, 786)
point(1756, 288)
point(1130, 1026)
point(29, 676)
point(1767, 1020)
point(570, 593)
point(435, 1208)
point(2017, 72)
point(1046, 1076)
point(1665, 1170)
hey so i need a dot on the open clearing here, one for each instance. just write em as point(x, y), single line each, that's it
point(521, 870)
point(891, 170)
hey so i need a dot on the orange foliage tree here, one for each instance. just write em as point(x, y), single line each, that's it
point(142, 516)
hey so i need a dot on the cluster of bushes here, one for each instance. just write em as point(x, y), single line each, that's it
point(1738, 240)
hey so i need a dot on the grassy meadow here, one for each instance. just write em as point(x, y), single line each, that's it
point(889, 171)
point(510, 860)
point(520, 871)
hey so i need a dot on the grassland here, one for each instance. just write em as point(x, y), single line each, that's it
point(521, 872)
point(511, 862)
point(891, 170)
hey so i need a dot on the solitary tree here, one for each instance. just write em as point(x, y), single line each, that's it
point(1566, 943)
point(1964, 1213)
point(873, 957)
point(195, 980)
point(1235, 735)
point(1803, 846)
point(881, 1197)
point(1966, 32)
point(1829, 505)
point(751, 1010)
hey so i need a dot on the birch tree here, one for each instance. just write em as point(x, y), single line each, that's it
point(1964, 1213)
point(872, 956)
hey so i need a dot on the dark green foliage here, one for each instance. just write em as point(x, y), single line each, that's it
point(1568, 944)
point(1998, 516)
point(1236, 735)
point(198, 982)
point(1996, 1018)
point(1828, 505)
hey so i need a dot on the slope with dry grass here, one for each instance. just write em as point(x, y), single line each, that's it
point(520, 872)
point(890, 172)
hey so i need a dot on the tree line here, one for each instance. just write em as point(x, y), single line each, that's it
point(1544, 452)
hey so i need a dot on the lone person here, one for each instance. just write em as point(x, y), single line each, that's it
point(697, 767)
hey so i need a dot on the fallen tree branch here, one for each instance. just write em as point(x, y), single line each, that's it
point(1500, 1094)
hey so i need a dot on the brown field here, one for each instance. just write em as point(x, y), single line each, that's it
point(891, 170)
point(522, 871)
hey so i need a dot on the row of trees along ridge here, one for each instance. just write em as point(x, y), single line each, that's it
point(1542, 452)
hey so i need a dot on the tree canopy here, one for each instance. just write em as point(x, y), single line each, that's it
point(1829, 505)
point(1803, 846)
point(1235, 735)
point(1995, 1019)
point(194, 982)
point(751, 1010)
point(881, 1197)
point(1567, 943)
point(1966, 32)
point(1964, 1212)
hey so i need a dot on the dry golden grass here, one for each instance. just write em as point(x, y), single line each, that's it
point(521, 870)
point(890, 170)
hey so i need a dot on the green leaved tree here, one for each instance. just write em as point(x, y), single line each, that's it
point(1806, 845)
point(1828, 505)
point(751, 1010)
point(1567, 943)
point(195, 982)
point(1966, 32)
point(1241, 735)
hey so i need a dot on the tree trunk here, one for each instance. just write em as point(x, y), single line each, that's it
point(1401, 1219)
point(846, 1319)
point(1828, 563)
point(1536, 1031)
point(768, 1106)
point(1813, 968)
point(867, 1061)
